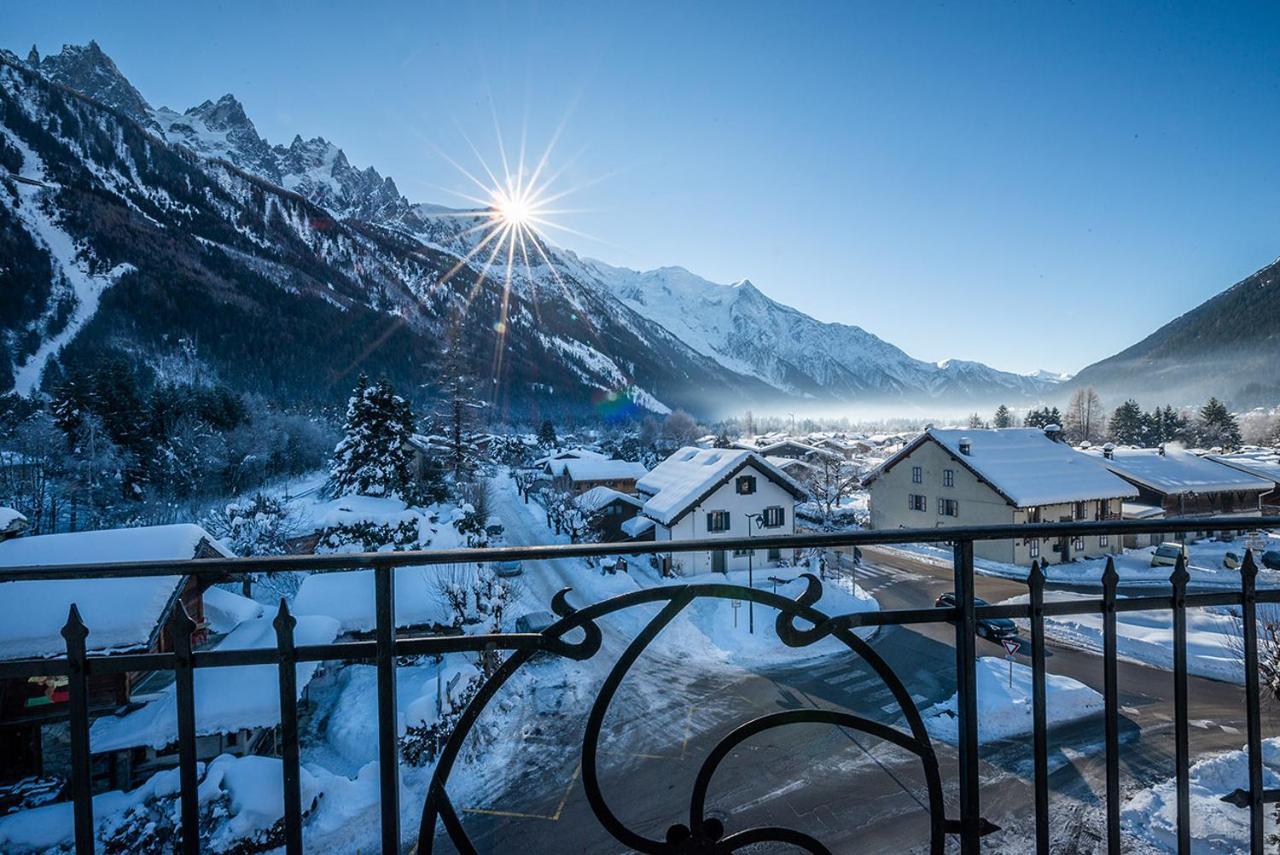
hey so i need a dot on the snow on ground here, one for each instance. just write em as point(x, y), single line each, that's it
point(1217, 828)
point(1147, 637)
point(1004, 711)
point(226, 699)
point(1134, 565)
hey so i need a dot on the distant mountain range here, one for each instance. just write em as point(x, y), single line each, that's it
point(188, 242)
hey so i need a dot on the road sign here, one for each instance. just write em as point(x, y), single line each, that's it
point(1012, 645)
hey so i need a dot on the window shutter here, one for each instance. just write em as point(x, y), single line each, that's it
point(942, 505)
point(710, 517)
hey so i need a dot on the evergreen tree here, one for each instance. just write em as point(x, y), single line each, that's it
point(975, 421)
point(547, 434)
point(1217, 427)
point(1043, 417)
point(456, 416)
point(1002, 418)
point(1129, 425)
point(722, 440)
point(371, 459)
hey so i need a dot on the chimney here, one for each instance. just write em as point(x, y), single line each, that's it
point(966, 447)
point(1054, 432)
point(1160, 450)
point(1109, 451)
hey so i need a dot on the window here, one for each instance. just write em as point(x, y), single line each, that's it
point(917, 502)
point(948, 508)
point(1035, 547)
point(718, 521)
point(741, 553)
point(948, 477)
point(1106, 510)
point(1033, 515)
point(1077, 543)
point(746, 485)
point(1102, 541)
point(774, 517)
point(1079, 514)
point(917, 475)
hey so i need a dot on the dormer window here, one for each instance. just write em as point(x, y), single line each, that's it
point(746, 485)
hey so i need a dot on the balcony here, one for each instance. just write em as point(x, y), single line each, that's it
point(943, 799)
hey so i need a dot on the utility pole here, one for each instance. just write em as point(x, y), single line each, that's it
point(758, 521)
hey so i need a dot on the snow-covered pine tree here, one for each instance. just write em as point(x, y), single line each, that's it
point(1217, 426)
point(1002, 418)
point(372, 458)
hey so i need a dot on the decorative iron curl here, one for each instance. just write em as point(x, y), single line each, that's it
point(703, 834)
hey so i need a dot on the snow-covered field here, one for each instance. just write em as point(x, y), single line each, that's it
point(1217, 828)
point(1004, 707)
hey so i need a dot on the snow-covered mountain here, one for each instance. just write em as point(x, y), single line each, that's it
point(746, 331)
point(207, 198)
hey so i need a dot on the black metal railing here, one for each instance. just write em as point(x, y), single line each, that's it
point(799, 624)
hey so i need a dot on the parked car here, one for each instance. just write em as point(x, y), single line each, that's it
point(535, 621)
point(508, 568)
point(1166, 554)
point(992, 629)
point(1271, 559)
point(1231, 561)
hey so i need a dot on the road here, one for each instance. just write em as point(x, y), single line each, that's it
point(847, 789)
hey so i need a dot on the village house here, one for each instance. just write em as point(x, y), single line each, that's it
point(608, 510)
point(122, 615)
point(578, 475)
point(1011, 476)
point(1172, 482)
point(710, 493)
point(1261, 463)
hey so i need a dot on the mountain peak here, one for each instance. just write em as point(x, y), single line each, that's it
point(88, 69)
point(226, 112)
point(33, 58)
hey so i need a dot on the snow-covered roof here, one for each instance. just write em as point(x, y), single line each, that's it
point(348, 597)
point(599, 469)
point(1023, 465)
point(120, 613)
point(1139, 511)
point(788, 463)
point(1176, 471)
point(570, 454)
point(597, 497)
point(636, 526)
point(1262, 464)
point(226, 699)
point(225, 610)
point(686, 477)
point(11, 522)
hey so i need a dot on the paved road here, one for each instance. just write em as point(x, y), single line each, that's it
point(850, 791)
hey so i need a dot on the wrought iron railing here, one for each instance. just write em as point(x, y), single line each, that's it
point(799, 624)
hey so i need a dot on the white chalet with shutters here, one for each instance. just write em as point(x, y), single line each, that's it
point(947, 478)
point(709, 493)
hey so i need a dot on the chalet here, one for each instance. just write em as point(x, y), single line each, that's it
point(578, 475)
point(1181, 484)
point(608, 509)
point(122, 615)
point(710, 493)
point(1261, 463)
point(1010, 476)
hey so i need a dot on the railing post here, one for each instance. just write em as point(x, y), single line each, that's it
point(1252, 695)
point(388, 742)
point(180, 628)
point(1040, 736)
point(75, 633)
point(290, 759)
point(1181, 735)
point(967, 702)
point(1110, 694)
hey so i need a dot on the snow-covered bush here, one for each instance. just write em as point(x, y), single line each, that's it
point(370, 536)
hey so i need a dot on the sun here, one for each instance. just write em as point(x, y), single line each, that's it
point(516, 210)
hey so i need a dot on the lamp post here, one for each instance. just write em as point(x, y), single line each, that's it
point(758, 521)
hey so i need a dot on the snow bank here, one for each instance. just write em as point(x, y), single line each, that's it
point(1004, 712)
point(226, 699)
point(349, 598)
point(1147, 637)
point(1216, 827)
point(225, 610)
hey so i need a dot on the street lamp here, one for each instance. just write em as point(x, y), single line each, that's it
point(758, 521)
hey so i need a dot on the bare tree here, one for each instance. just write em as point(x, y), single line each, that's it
point(680, 429)
point(1085, 418)
point(829, 480)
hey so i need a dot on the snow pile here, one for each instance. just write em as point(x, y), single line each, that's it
point(120, 613)
point(348, 598)
point(356, 523)
point(226, 699)
point(225, 610)
point(1216, 827)
point(1004, 712)
point(1147, 637)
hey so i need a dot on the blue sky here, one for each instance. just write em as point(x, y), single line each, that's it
point(1032, 185)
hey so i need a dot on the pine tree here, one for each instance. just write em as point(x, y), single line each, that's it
point(372, 458)
point(1129, 424)
point(1217, 427)
point(1002, 418)
point(547, 434)
point(1043, 417)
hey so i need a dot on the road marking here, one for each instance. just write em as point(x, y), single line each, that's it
point(846, 677)
point(1226, 728)
point(555, 817)
point(1201, 723)
point(1131, 711)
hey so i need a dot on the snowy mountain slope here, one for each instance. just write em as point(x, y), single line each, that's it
point(578, 331)
point(747, 332)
